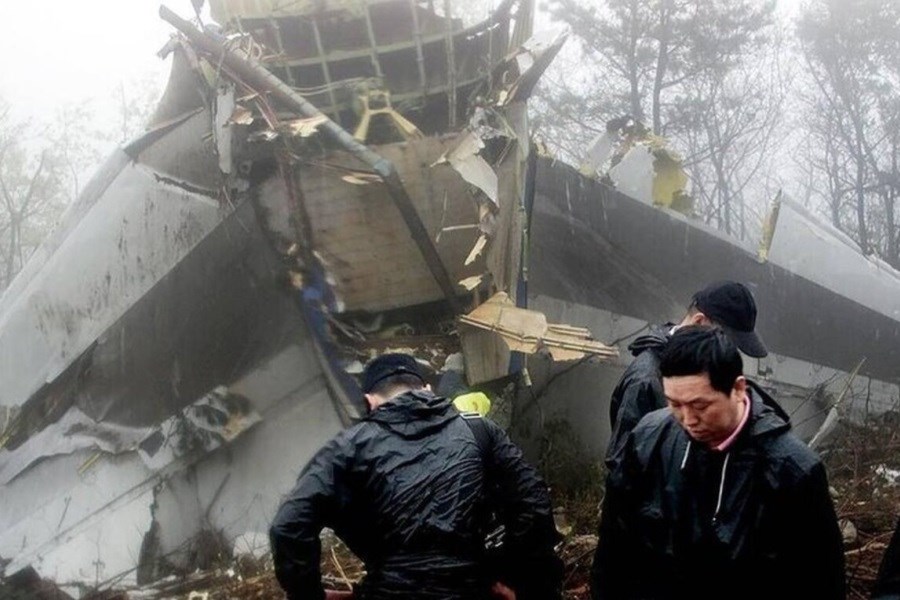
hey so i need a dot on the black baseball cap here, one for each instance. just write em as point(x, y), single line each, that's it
point(386, 365)
point(731, 306)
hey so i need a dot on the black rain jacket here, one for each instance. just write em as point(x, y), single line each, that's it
point(887, 585)
point(640, 390)
point(683, 521)
point(405, 489)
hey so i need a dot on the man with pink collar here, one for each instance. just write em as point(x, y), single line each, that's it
point(713, 496)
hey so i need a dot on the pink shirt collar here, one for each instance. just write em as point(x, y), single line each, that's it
point(730, 440)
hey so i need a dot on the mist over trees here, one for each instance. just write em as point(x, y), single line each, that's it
point(851, 108)
point(753, 100)
point(45, 163)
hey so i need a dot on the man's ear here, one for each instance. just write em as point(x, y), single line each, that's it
point(372, 399)
point(428, 387)
point(739, 389)
point(698, 318)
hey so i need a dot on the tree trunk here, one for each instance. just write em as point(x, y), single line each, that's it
point(861, 206)
point(13, 242)
point(634, 75)
point(890, 197)
point(662, 62)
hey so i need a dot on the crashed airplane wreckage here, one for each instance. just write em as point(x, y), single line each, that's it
point(323, 181)
point(318, 184)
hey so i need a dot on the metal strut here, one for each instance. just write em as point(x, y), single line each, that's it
point(257, 76)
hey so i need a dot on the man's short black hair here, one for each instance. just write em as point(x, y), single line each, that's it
point(699, 349)
point(387, 385)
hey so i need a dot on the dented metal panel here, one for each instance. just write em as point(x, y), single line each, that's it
point(601, 248)
point(820, 253)
point(128, 240)
point(173, 354)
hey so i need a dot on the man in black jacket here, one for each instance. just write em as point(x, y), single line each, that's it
point(887, 584)
point(726, 304)
point(410, 490)
point(714, 497)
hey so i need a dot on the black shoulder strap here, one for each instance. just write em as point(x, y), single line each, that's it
point(482, 436)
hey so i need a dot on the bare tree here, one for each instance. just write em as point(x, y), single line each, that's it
point(691, 69)
point(135, 101)
point(851, 51)
point(32, 193)
point(731, 134)
point(43, 165)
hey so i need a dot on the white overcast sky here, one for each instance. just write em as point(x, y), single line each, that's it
point(58, 52)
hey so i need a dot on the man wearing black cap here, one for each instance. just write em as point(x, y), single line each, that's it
point(714, 497)
point(410, 489)
point(726, 304)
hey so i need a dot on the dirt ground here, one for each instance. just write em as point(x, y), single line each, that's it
point(863, 465)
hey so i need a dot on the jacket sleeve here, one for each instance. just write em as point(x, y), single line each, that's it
point(887, 585)
point(816, 553)
point(294, 534)
point(531, 567)
point(640, 397)
point(616, 552)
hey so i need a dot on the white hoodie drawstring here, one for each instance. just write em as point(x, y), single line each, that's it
point(686, 452)
point(721, 488)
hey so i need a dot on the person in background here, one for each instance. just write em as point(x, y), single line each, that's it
point(411, 490)
point(726, 304)
point(714, 496)
point(887, 584)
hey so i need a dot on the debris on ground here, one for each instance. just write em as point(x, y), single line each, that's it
point(862, 462)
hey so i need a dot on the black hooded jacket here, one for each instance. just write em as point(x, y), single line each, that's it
point(683, 521)
point(640, 390)
point(887, 585)
point(405, 489)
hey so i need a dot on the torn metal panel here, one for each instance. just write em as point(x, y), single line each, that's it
point(506, 227)
point(205, 425)
point(477, 249)
point(253, 75)
point(425, 59)
point(525, 65)
point(211, 259)
point(639, 164)
point(472, 167)
point(187, 88)
point(599, 153)
point(223, 129)
point(305, 127)
point(106, 549)
point(129, 239)
point(75, 527)
point(357, 228)
point(521, 330)
point(634, 174)
point(226, 490)
point(193, 164)
point(74, 432)
point(92, 192)
point(588, 232)
point(819, 252)
point(238, 489)
point(528, 331)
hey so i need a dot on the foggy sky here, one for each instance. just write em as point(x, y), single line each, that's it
point(55, 53)
point(59, 52)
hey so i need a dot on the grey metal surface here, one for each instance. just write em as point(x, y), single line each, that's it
point(595, 246)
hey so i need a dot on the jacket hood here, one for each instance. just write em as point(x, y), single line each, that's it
point(414, 414)
point(656, 338)
point(767, 415)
